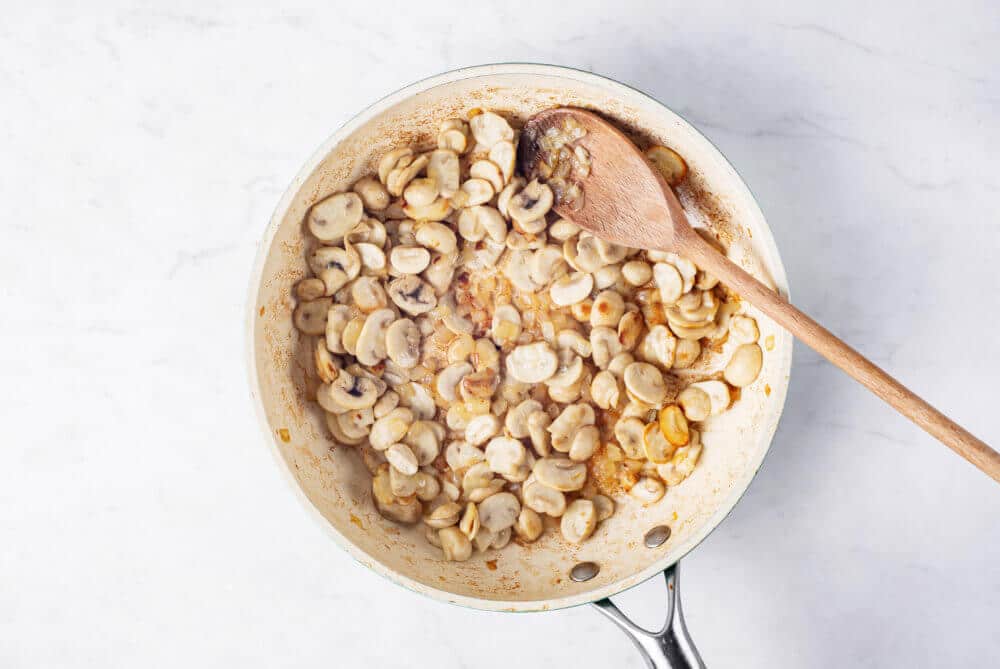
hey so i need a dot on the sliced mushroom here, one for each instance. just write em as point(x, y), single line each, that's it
point(437, 210)
point(440, 272)
point(481, 429)
point(478, 475)
point(673, 425)
point(658, 347)
point(586, 257)
point(327, 367)
point(499, 512)
point(421, 192)
point(607, 277)
point(687, 352)
point(668, 162)
point(331, 218)
point(604, 345)
point(410, 259)
point(743, 330)
point(489, 128)
point(402, 343)
point(585, 443)
point(532, 363)
point(402, 458)
point(401, 175)
point(547, 265)
point(310, 317)
point(629, 433)
point(668, 281)
point(449, 378)
point(696, 403)
point(619, 363)
point(574, 341)
point(511, 189)
point(579, 521)
point(543, 499)
point(412, 295)
point(538, 423)
point(604, 507)
point(645, 382)
point(505, 455)
point(744, 366)
point(506, 326)
point(436, 237)
point(455, 545)
point(608, 309)
point(566, 425)
point(529, 525)
point(563, 229)
point(503, 155)
point(637, 272)
point(568, 372)
point(423, 440)
point(532, 203)
point(477, 192)
point(372, 193)
point(310, 289)
point(647, 490)
point(389, 160)
point(443, 167)
point(367, 294)
point(571, 289)
point(470, 524)
point(629, 329)
point(353, 392)
point(390, 429)
point(718, 394)
point(453, 139)
point(385, 404)
point(605, 391)
point(682, 464)
point(560, 474)
point(335, 266)
point(445, 515)
point(488, 171)
point(371, 345)
point(516, 420)
point(655, 445)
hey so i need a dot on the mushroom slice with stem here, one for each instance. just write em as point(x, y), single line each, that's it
point(443, 167)
point(579, 521)
point(371, 346)
point(570, 289)
point(505, 455)
point(412, 295)
point(542, 499)
point(310, 317)
point(499, 512)
point(645, 382)
point(504, 156)
point(402, 343)
point(488, 171)
point(532, 203)
point(449, 378)
point(331, 218)
point(560, 474)
point(489, 128)
point(352, 392)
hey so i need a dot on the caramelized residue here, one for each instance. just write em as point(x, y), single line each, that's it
point(491, 565)
point(769, 342)
point(356, 521)
point(767, 389)
point(261, 312)
point(284, 435)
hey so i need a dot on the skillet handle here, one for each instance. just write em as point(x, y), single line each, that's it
point(671, 647)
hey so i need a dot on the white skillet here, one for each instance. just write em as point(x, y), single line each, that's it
point(334, 484)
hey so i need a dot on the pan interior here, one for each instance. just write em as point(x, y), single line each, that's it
point(336, 484)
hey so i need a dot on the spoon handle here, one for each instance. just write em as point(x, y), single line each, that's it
point(863, 370)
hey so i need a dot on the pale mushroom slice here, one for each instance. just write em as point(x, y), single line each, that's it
point(605, 390)
point(367, 294)
point(547, 265)
point(402, 458)
point(460, 455)
point(418, 399)
point(401, 175)
point(586, 257)
point(529, 525)
point(488, 171)
point(421, 192)
point(481, 429)
point(449, 378)
point(372, 193)
point(505, 455)
point(607, 310)
point(437, 237)
point(402, 343)
point(630, 329)
point(569, 370)
point(390, 429)
point(619, 363)
point(744, 366)
point(510, 190)
point(506, 326)
point(412, 295)
point(335, 266)
point(385, 404)
point(443, 167)
point(655, 446)
point(333, 424)
point(371, 346)
point(658, 347)
point(645, 382)
point(453, 139)
point(444, 515)
point(605, 345)
point(440, 272)
point(718, 394)
point(504, 155)
point(687, 353)
point(516, 420)
point(607, 277)
point(477, 192)
point(560, 474)
point(743, 330)
point(532, 203)
point(647, 490)
point(542, 499)
point(352, 392)
point(327, 367)
point(532, 363)
point(637, 272)
point(389, 160)
point(681, 465)
point(331, 218)
point(469, 524)
point(629, 433)
point(404, 510)
point(479, 385)
point(669, 282)
point(571, 289)
point(409, 259)
point(696, 403)
point(455, 545)
point(685, 267)
point(579, 521)
point(423, 440)
point(611, 253)
point(538, 423)
point(310, 289)
point(372, 257)
point(489, 128)
point(516, 266)
point(604, 506)
point(567, 423)
point(574, 341)
point(563, 229)
point(585, 443)
point(310, 317)
point(438, 210)
point(499, 512)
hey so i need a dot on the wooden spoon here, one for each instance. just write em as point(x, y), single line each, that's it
point(626, 201)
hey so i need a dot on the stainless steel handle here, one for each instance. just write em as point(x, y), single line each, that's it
point(671, 647)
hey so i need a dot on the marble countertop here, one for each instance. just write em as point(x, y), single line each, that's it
point(143, 147)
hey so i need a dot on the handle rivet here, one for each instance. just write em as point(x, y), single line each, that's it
point(584, 571)
point(657, 536)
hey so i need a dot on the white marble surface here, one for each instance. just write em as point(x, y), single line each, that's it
point(142, 149)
